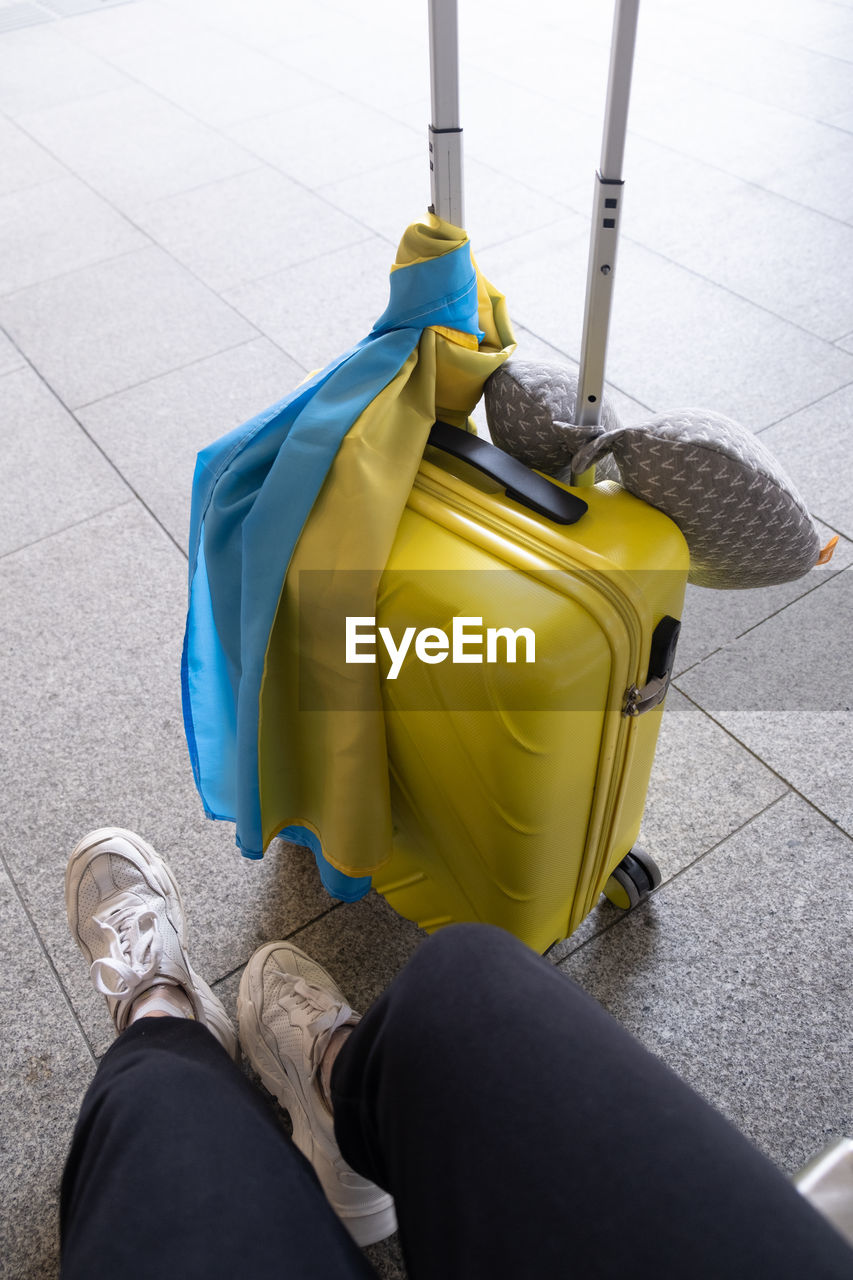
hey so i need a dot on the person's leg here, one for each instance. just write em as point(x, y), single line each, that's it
point(178, 1167)
point(176, 1164)
point(523, 1132)
point(292, 1019)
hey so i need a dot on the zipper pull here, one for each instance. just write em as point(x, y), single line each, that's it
point(661, 662)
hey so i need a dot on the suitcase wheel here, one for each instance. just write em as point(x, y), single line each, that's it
point(633, 880)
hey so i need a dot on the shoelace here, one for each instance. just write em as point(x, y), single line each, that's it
point(329, 1013)
point(135, 946)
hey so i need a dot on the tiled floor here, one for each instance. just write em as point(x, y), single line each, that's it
point(199, 201)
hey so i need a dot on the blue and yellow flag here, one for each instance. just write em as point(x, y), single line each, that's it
point(319, 481)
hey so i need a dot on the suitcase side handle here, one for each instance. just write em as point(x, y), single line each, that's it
point(523, 485)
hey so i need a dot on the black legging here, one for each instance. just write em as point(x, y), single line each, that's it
point(522, 1132)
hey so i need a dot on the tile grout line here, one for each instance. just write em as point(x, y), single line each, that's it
point(676, 151)
point(66, 528)
point(219, 133)
point(625, 915)
point(785, 781)
point(333, 92)
point(155, 244)
point(831, 574)
point(802, 409)
point(565, 354)
point(697, 275)
point(86, 266)
point(293, 266)
point(317, 193)
point(143, 382)
point(759, 306)
point(47, 956)
point(52, 391)
point(287, 938)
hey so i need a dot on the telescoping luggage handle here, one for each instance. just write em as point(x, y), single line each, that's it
point(606, 209)
point(445, 131)
point(445, 150)
point(525, 486)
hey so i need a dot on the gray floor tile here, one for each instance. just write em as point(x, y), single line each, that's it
point(757, 65)
point(783, 691)
point(69, 8)
point(531, 347)
point(133, 147)
point(714, 618)
point(386, 199)
point(22, 162)
point(842, 121)
point(668, 200)
point(562, 56)
point(110, 326)
point(52, 476)
point(374, 64)
point(763, 248)
point(823, 182)
point(814, 446)
point(774, 253)
point(40, 69)
point(216, 79)
point(92, 624)
point(113, 31)
point(246, 227)
point(737, 975)
point(823, 27)
point(550, 149)
point(55, 227)
point(675, 339)
point(153, 432)
point(46, 1067)
point(18, 14)
point(354, 280)
point(10, 356)
point(683, 821)
point(497, 207)
point(387, 1258)
point(263, 25)
point(363, 945)
point(723, 128)
point(291, 140)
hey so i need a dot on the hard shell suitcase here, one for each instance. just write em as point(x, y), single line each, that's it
point(518, 787)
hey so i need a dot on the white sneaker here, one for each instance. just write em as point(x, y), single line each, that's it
point(288, 1009)
point(125, 912)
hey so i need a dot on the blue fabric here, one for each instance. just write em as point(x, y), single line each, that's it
point(253, 491)
point(347, 888)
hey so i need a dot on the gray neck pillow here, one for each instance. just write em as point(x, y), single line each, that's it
point(743, 520)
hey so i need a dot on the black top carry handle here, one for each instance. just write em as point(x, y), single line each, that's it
point(525, 486)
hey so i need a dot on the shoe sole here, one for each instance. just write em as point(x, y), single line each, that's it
point(149, 862)
point(366, 1228)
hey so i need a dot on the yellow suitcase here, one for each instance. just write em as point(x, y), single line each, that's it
point(518, 788)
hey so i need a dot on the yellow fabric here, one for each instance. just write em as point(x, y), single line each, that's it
point(424, 240)
point(322, 750)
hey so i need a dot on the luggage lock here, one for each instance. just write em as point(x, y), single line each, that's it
point(661, 662)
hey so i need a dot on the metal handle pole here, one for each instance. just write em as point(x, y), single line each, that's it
point(606, 208)
point(445, 132)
